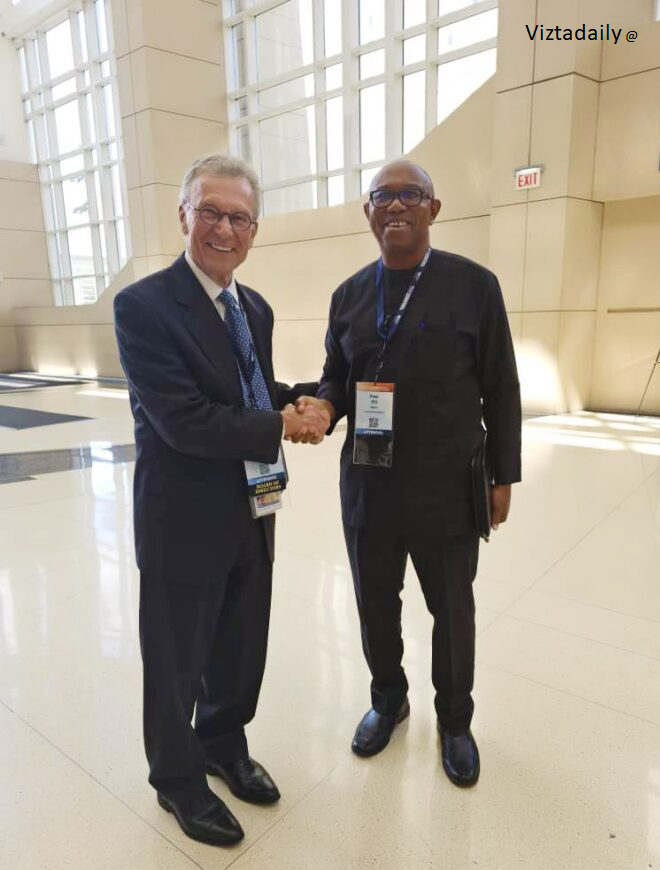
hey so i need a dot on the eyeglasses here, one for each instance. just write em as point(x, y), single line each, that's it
point(410, 197)
point(239, 220)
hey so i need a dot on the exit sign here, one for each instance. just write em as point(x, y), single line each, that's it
point(528, 177)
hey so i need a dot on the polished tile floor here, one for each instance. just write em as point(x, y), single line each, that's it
point(567, 687)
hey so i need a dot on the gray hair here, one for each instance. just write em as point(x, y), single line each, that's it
point(222, 166)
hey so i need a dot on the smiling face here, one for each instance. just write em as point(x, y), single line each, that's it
point(402, 231)
point(219, 249)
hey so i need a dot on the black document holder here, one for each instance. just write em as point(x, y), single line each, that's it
point(481, 491)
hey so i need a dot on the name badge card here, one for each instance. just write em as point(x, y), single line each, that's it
point(266, 484)
point(374, 424)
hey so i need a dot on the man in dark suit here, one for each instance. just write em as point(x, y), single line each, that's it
point(433, 325)
point(196, 349)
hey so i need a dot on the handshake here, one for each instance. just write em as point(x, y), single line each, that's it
point(308, 420)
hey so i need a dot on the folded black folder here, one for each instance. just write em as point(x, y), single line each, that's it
point(481, 491)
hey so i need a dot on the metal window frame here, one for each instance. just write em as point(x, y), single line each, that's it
point(392, 77)
point(104, 220)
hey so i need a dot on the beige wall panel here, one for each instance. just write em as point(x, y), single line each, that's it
point(544, 266)
point(467, 237)
point(515, 325)
point(583, 137)
point(626, 347)
point(552, 119)
point(577, 331)
point(162, 233)
point(557, 58)
point(511, 131)
point(131, 151)
point(19, 293)
point(168, 144)
point(626, 57)
point(340, 220)
point(137, 225)
point(119, 15)
point(125, 86)
point(630, 261)
point(457, 154)
point(23, 254)
point(627, 142)
point(188, 27)
point(85, 349)
point(299, 278)
point(9, 360)
point(298, 349)
point(581, 255)
point(515, 54)
point(20, 206)
point(173, 83)
point(507, 251)
point(536, 353)
point(12, 170)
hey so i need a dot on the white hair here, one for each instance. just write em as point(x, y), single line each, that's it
point(222, 166)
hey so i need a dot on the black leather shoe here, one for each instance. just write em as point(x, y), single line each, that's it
point(460, 757)
point(247, 779)
point(375, 729)
point(206, 819)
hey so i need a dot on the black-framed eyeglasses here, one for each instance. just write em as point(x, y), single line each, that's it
point(239, 220)
point(410, 197)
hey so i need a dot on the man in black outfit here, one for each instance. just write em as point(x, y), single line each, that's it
point(196, 349)
point(433, 325)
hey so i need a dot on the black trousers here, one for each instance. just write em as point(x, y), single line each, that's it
point(446, 568)
point(203, 649)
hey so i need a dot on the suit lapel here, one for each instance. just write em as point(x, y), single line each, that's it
point(206, 326)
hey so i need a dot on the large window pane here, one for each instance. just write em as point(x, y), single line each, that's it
point(372, 20)
point(80, 251)
point(335, 190)
point(460, 78)
point(76, 207)
point(372, 123)
point(414, 49)
point(293, 198)
point(68, 86)
point(67, 124)
point(372, 63)
point(462, 33)
point(333, 77)
point(414, 12)
point(101, 26)
point(414, 94)
point(296, 89)
point(288, 145)
point(334, 117)
point(60, 49)
point(284, 38)
point(239, 65)
point(332, 26)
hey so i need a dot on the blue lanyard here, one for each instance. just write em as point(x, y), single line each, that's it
point(387, 327)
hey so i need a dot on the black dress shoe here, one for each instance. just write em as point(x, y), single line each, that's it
point(247, 779)
point(375, 729)
point(460, 757)
point(205, 818)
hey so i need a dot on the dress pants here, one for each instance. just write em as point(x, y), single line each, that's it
point(203, 648)
point(446, 568)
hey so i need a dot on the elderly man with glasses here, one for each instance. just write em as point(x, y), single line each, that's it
point(196, 349)
point(420, 360)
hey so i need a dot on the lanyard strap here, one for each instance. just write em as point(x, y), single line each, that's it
point(386, 326)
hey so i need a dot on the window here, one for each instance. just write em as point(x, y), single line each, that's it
point(69, 100)
point(323, 92)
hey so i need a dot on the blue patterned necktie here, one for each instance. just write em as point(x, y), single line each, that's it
point(253, 384)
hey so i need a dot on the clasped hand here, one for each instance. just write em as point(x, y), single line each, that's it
point(307, 421)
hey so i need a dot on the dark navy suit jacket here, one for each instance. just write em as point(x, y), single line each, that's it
point(192, 431)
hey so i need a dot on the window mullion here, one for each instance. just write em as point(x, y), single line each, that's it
point(350, 62)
